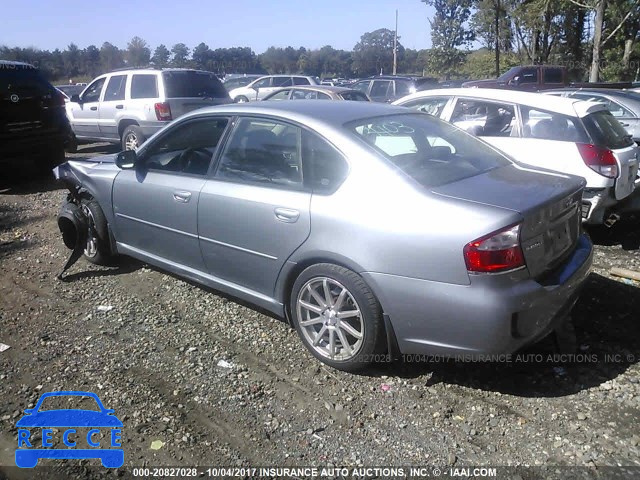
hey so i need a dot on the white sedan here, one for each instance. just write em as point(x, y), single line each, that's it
point(562, 134)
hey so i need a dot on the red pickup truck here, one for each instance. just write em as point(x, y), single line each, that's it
point(538, 77)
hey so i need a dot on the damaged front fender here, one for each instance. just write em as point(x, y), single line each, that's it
point(74, 226)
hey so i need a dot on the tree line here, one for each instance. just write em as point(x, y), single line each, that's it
point(595, 39)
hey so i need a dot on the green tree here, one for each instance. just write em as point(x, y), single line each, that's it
point(180, 55)
point(161, 56)
point(110, 57)
point(201, 56)
point(138, 52)
point(373, 54)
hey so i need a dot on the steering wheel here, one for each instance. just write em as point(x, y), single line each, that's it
point(185, 157)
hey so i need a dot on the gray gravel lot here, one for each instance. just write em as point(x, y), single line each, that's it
point(154, 358)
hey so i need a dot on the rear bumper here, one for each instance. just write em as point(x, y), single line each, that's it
point(494, 314)
point(150, 127)
point(32, 146)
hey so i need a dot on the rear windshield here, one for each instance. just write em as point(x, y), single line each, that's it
point(22, 79)
point(606, 130)
point(430, 151)
point(190, 83)
point(355, 95)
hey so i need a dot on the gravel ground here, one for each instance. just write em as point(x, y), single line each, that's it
point(156, 357)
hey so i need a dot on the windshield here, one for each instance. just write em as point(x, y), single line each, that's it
point(23, 79)
point(606, 130)
point(430, 151)
point(354, 95)
point(190, 83)
point(508, 74)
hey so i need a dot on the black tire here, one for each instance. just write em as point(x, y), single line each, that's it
point(132, 135)
point(241, 99)
point(361, 296)
point(98, 248)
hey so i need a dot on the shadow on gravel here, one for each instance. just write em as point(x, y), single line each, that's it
point(625, 233)
point(608, 334)
point(121, 266)
point(29, 184)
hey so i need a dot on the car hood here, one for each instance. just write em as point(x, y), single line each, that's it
point(111, 158)
point(69, 418)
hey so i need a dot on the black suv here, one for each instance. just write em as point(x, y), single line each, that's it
point(388, 88)
point(33, 122)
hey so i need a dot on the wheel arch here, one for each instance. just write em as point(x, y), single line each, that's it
point(124, 123)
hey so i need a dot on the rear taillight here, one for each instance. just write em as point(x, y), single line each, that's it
point(497, 252)
point(600, 160)
point(163, 111)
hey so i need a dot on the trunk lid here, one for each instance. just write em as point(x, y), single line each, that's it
point(548, 202)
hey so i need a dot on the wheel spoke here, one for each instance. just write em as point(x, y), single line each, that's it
point(343, 340)
point(332, 343)
point(319, 335)
point(328, 299)
point(311, 321)
point(317, 297)
point(350, 330)
point(310, 306)
point(338, 303)
point(348, 314)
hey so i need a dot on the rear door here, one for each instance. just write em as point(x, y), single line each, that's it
point(254, 213)
point(606, 131)
point(85, 116)
point(187, 90)
point(112, 105)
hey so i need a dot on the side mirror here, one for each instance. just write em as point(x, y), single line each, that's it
point(75, 98)
point(127, 159)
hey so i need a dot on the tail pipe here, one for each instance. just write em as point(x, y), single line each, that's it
point(74, 226)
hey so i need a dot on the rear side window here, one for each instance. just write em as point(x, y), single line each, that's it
point(552, 75)
point(324, 167)
point(282, 82)
point(115, 88)
point(430, 151)
point(606, 130)
point(190, 83)
point(144, 86)
point(551, 126)
point(301, 81)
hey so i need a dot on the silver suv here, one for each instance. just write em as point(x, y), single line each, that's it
point(128, 106)
point(263, 86)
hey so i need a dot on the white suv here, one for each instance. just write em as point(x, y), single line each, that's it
point(128, 106)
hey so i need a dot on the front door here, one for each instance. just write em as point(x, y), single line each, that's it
point(156, 205)
point(85, 116)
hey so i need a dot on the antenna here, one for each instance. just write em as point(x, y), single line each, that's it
point(395, 46)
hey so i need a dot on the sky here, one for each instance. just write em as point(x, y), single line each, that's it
point(258, 24)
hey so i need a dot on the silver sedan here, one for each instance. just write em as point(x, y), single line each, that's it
point(371, 228)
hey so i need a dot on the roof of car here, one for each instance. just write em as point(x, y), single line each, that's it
point(321, 88)
point(308, 111)
point(566, 106)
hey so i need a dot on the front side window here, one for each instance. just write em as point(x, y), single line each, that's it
point(93, 91)
point(551, 126)
point(431, 105)
point(430, 151)
point(115, 88)
point(264, 83)
point(484, 119)
point(187, 148)
point(529, 75)
point(144, 86)
point(265, 152)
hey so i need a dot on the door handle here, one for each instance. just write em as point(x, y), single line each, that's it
point(94, 108)
point(287, 215)
point(119, 107)
point(182, 197)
